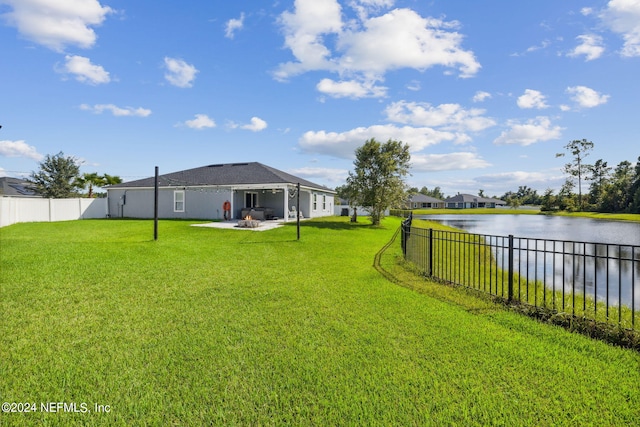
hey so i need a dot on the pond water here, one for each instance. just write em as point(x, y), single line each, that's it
point(545, 227)
point(608, 267)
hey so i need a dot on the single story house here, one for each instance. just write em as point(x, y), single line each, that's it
point(251, 189)
point(469, 201)
point(420, 201)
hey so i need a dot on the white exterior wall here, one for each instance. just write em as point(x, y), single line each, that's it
point(321, 204)
point(199, 203)
point(206, 203)
point(17, 209)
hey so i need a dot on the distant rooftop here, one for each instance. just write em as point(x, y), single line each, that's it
point(16, 187)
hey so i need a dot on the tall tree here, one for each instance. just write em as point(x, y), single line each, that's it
point(56, 177)
point(599, 176)
point(618, 194)
point(635, 189)
point(90, 180)
point(579, 149)
point(377, 181)
point(111, 179)
point(549, 201)
point(435, 193)
point(565, 199)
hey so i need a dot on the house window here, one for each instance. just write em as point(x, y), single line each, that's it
point(324, 202)
point(315, 202)
point(178, 201)
point(250, 200)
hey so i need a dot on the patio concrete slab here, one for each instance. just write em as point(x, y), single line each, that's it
point(233, 225)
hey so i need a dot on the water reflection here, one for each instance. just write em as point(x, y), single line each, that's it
point(580, 255)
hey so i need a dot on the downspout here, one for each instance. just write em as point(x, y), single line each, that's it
point(124, 202)
point(108, 205)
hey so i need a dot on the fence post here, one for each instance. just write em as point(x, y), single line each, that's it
point(406, 230)
point(430, 252)
point(510, 289)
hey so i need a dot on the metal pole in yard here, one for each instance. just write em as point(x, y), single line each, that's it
point(155, 206)
point(298, 210)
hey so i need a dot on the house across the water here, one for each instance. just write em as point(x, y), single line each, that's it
point(469, 201)
point(420, 201)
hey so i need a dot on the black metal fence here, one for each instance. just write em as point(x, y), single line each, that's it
point(592, 280)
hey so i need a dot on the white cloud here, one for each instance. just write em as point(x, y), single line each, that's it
point(19, 149)
point(256, 125)
point(510, 180)
point(591, 47)
point(234, 25)
point(517, 178)
point(344, 144)
point(350, 89)
point(202, 121)
point(179, 73)
point(531, 132)
point(364, 7)
point(623, 17)
point(414, 85)
point(116, 111)
point(57, 23)
point(368, 47)
point(480, 96)
point(586, 11)
point(321, 174)
point(404, 39)
point(85, 71)
point(532, 99)
point(586, 97)
point(543, 45)
point(446, 116)
point(304, 31)
point(447, 162)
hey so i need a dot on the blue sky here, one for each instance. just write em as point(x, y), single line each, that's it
point(485, 93)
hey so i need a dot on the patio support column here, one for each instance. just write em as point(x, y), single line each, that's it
point(286, 204)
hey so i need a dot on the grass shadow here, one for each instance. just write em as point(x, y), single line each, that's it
point(336, 223)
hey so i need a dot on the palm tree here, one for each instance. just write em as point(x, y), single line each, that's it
point(111, 179)
point(90, 180)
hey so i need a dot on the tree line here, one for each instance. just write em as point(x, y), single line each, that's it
point(606, 189)
point(610, 189)
point(378, 182)
point(600, 187)
point(59, 177)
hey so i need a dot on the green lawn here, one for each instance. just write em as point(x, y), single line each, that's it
point(230, 327)
point(600, 215)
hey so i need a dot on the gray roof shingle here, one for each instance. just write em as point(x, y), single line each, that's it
point(16, 187)
point(222, 174)
point(421, 198)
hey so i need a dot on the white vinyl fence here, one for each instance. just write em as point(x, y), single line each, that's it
point(18, 209)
